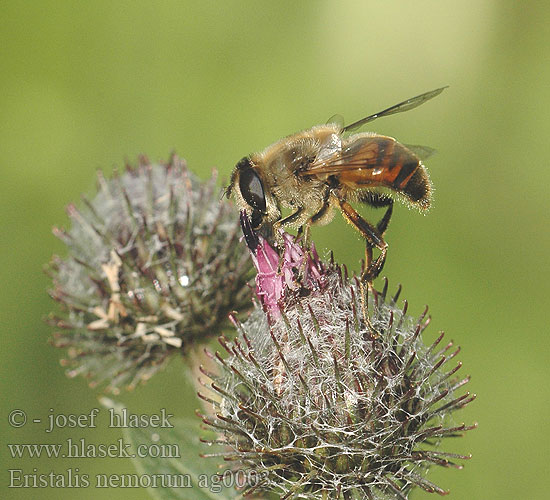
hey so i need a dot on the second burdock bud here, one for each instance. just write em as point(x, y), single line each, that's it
point(153, 266)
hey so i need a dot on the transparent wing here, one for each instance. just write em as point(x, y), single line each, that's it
point(363, 153)
point(407, 105)
point(423, 152)
point(336, 119)
point(369, 160)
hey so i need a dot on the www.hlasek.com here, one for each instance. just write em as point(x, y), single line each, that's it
point(80, 448)
point(73, 478)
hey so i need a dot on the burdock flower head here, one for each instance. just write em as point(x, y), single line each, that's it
point(154, 265)
point(329, 391)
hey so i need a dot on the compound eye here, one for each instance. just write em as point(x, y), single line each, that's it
point(251, 186)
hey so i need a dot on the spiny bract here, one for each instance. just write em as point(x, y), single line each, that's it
point(321, 404)
point(154, 265)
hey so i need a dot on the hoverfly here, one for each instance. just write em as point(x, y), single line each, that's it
point(313, 171)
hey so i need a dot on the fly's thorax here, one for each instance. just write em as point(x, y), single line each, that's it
point(283, 168)
point(285, 175)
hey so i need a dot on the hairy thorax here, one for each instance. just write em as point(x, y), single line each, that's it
point(284, 166)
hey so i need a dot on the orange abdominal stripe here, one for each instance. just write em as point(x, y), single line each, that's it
point(373, 160)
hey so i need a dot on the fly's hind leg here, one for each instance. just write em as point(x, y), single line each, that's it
point(376, 200)
point(373, 238)
point(384, 221)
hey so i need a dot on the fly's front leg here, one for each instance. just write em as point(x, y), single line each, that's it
point(303, 233)
point(285, 221)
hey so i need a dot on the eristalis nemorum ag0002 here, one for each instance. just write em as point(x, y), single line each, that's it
point(313, 171)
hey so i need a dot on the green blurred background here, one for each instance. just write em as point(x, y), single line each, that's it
point(86, 85)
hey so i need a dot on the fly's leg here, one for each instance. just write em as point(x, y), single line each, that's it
point(373, 238)
point(376, 200)
point(316, 218)
point(286, 221)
